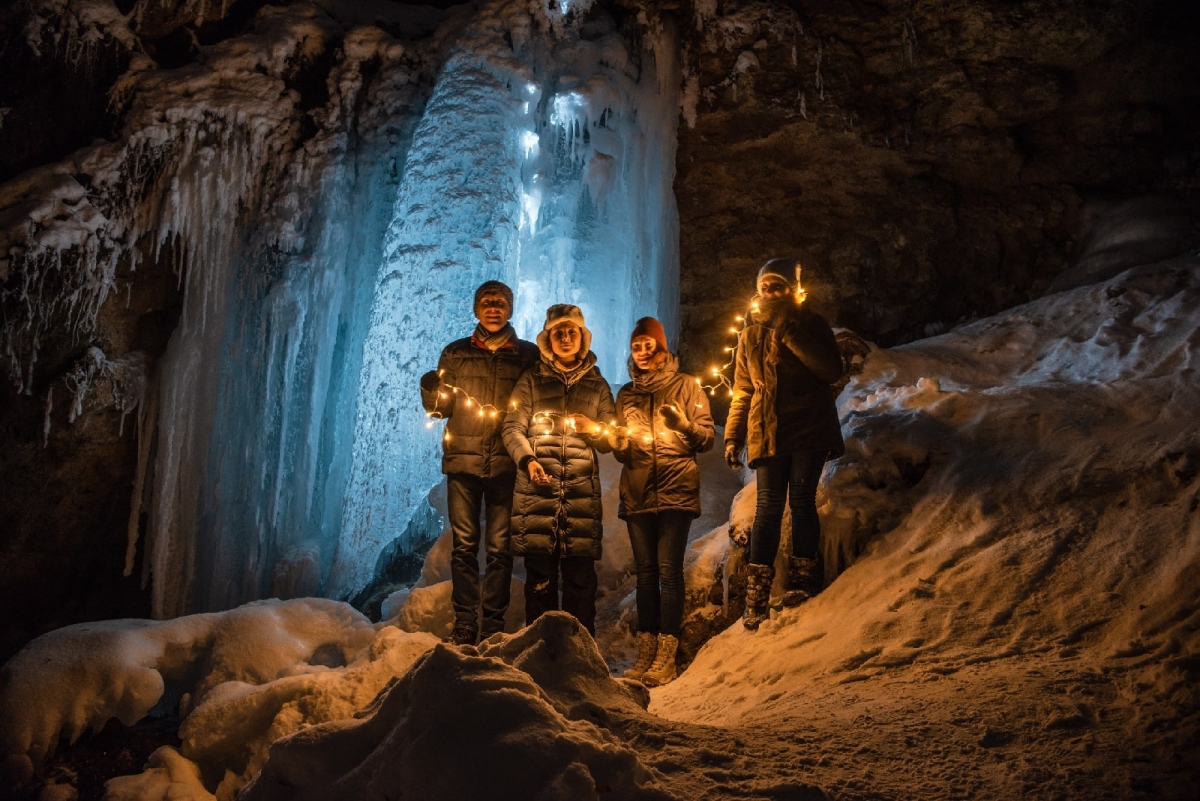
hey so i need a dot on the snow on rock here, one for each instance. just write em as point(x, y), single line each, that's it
point(525, 718)
point(240, 679)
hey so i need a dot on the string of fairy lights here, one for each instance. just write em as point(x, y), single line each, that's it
point(546, 419)
point(719, 374)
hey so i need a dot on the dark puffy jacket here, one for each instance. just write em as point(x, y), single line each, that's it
point(475, 445)
point(661, 474)
point(788, 407)
point(563, 517)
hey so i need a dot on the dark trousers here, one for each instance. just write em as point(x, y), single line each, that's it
point(659, 541)
point(466, 495)
point(578, 587)
point(792, 478)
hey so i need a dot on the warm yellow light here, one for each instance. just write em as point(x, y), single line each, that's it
point(733, 330)
point(468, 403)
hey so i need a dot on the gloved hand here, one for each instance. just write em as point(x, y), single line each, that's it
point(617, 440)
point(733, 452)
point(673, 417)
point(431, 381)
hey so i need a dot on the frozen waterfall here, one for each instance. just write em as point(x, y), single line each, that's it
point(327, 247)
point(545, 159)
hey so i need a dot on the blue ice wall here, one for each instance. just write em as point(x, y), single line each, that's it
point(545, 159)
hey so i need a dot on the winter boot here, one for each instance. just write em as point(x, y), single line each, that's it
point(647, 648)
point(663, 670)
point(803, 581)
point(758, 593)
point(461, 635)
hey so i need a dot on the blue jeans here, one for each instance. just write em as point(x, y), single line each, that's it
point(465, 496)
point(659, 541)
point(792, 478)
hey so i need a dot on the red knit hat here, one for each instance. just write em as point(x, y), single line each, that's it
point(649, 327)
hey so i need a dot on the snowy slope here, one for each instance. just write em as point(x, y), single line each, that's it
point(1023, 492)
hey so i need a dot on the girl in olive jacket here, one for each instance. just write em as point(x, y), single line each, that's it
point(783, 413)
point(664, 421)
point(552, 431)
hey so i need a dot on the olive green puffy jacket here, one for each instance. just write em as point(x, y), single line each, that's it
point(786, 407)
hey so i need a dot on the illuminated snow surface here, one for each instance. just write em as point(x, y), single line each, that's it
point(1020, 618)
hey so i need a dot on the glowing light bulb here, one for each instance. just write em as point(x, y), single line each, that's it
point(481, 412)
point(446, 436)
point(442, 395)
point(733, 330)
point(493, 413)
point(469, 404)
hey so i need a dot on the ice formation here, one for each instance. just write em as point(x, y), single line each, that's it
point(558, 183)
point(327, 247)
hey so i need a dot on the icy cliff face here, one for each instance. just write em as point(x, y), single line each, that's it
point(544, 159)
point(328, 228)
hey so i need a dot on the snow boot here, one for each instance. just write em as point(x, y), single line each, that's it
point(461, 635)
point(758, 593)
point(663, 670)
point(803, 581)
point(647, 648)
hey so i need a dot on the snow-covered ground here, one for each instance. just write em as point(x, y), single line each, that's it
point(1016, 615)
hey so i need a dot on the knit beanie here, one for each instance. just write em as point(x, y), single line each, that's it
point(649, 327)
point(561, 313)
point(783, 269)
point(494, 288)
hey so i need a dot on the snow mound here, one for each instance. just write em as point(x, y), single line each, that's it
point(240, 679)
point(529, 710)
point(1023, 486)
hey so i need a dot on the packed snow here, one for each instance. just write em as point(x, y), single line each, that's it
point(1015, 558)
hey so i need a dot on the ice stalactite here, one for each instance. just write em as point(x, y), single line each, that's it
point(259, 382)
point(546, 160)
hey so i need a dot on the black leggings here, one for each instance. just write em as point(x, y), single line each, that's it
point(794, 478)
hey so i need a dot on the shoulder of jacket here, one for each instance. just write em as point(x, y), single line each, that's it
point(459, 346)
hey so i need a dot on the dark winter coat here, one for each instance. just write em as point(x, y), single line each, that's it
point(788, 407)
point(475, 445)
point(563, 517)
point(661, 475)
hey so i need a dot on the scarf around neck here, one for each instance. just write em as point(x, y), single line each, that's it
point(496, 341)
point(657, 376)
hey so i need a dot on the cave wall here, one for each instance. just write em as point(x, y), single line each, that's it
point(927, 163)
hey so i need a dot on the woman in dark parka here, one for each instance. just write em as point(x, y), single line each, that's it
point(665, 422)
point(783, 413)
point(553, 431)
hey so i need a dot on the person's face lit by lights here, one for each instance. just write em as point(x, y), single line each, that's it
point(565, 340)
point(771, 288)
point(493, 311)
point(643, 348)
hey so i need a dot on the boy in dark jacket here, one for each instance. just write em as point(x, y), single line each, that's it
point(471, 388)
